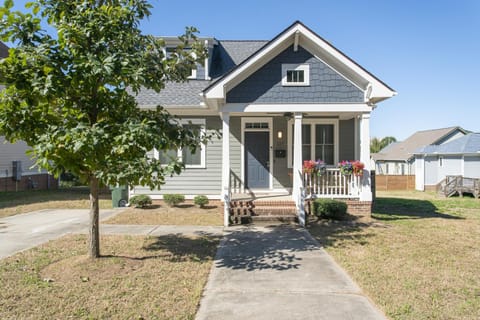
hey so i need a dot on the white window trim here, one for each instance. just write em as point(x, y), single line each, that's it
point(203, 162)
point(313, 122)
point(306, 73)
point(244, 120)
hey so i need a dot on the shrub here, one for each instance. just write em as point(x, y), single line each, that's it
point(332, 209)
point(173, 199)
point(141, 201)
point(200, 201)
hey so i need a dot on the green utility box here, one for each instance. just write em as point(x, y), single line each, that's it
point(119, 196)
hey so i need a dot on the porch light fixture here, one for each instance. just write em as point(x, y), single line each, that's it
point(280, 134)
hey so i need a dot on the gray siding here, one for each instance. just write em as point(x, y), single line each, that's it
point(236, 146)
point(472, 166)
point(265, 85)
point(197, 181)
point(281, 179)
point(346, 140)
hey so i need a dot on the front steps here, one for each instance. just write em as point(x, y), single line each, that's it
point(247, 211)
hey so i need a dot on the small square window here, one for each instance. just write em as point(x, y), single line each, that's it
point(295, 75)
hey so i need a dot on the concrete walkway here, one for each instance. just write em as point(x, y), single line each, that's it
point(27, 230)
point(279, 272)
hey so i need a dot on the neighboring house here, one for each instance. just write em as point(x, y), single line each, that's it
point(276, 104)
point(398, 159)
point(460, 157)
point(15, 166)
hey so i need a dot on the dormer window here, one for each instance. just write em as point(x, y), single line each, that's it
point(295, 74)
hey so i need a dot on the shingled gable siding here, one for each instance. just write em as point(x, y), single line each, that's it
point(197, 181)
point(265, 85)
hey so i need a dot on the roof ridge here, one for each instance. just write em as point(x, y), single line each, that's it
point(242, 40)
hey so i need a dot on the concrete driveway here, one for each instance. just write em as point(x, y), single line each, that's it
point(24, 231)
point(277, 273)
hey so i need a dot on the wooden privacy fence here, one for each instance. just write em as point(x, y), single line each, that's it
point(394, 182)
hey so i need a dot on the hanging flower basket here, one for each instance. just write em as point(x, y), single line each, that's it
point(313, 167)
point(348, 168)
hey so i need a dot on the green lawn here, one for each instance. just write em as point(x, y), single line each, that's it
point(419, 258)
point(12, 203)
point(137, 277)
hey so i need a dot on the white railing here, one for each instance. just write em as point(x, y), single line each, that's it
point(332, 184)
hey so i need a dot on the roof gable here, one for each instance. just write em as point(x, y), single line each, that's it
point(298, 34)
point(404, 150)
point(467, 144)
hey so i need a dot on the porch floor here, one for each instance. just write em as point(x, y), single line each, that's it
point(261, 196)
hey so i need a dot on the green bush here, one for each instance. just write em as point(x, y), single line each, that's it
point(332, 209)
point(141, 201)
point(173, 199)
point(200, 201)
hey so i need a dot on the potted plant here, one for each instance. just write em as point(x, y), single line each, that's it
point(313, 167)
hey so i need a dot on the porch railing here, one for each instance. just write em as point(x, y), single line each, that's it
point(332, 184)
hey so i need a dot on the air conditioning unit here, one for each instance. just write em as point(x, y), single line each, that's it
point(17, 170)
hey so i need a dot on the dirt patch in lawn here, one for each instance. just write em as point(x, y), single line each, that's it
point(417, 259)
point(136, 278)
point(161, 214)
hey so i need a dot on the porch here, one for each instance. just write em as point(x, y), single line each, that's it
point(272, 149)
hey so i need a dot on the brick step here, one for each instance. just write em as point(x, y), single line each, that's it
point(263, 203)
point(283, 218)
point(269, 211)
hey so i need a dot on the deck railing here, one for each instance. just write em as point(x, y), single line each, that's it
point(332, 184)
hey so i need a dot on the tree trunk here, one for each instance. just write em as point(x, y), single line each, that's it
point(94, 248)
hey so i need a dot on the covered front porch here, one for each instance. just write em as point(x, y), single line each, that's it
point(263, 155)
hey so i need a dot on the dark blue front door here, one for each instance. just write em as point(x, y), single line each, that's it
point(257, 159)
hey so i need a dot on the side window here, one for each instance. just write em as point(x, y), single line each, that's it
point(190, 159)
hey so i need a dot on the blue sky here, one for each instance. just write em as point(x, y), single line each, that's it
point(428, 51)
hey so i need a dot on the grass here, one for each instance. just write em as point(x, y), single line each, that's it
point(418, 258)
point(12, 203)
point(136, 278)
point(160, 214)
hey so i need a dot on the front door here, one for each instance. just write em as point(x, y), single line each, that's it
point(257, 156)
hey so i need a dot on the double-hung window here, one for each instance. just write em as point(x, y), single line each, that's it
point(190, 159)
point(319, 141)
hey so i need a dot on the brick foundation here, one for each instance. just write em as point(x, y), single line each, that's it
point(37, 182)
point(359, 208)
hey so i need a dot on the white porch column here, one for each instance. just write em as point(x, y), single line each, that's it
point(297, 167)
point(366, 193)
point(225, 165)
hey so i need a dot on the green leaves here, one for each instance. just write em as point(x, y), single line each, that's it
point(67, 96)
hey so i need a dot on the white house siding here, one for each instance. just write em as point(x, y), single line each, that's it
point(431, 170)
point(188, 182)
point(15, 152)
point(472, 166)
point(451, 166)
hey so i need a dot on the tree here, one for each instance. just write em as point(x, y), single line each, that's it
point(376, 144)
point(71, 97)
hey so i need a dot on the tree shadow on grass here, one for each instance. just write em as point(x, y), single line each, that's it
point(180, 247)
point(388, 209)
point(334, 233)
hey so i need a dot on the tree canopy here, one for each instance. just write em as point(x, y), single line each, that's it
point(378, 144)
point(71, 96)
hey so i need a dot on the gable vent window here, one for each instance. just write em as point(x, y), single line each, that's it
point(295, 74)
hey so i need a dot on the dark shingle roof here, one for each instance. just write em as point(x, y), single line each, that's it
point(174, 94)
point(226, 55)
point(464, 145)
